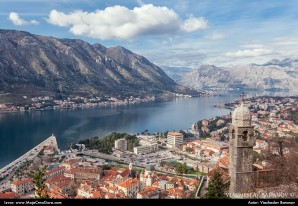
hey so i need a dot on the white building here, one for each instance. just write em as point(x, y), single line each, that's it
point(23, 186)
point(174, 139)
point(85, 191)
point(54, 172)
point(121, 144)
point(145, 149)
point(130, 187)
point(84, 173)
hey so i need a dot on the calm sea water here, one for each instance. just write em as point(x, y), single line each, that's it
point(20, 132)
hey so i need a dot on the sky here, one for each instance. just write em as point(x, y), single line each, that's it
point(179, 33)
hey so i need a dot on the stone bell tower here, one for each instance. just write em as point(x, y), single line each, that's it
point(241, 141)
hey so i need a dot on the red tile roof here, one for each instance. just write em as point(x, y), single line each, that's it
point(125, 173)
point(111, 189)
point(224, 161)
point(96, 194)
point(54, 170)
point(129, 183)
point(8, 195)
point(148, 190)
point(175, 133)
point(86, 169)
point(110, 196)
point(58, 178)
point(224, 172)
point(176, 192)
point(108, 178)
point(56, 189)
point(155, 184)
point(57, 195)
point(65, 183)
point(110, 173)
point(174, 179)
point(22, 181)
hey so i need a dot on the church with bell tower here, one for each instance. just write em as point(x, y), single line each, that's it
point(241, 142)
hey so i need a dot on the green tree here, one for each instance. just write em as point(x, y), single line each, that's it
point(38, 181)
point(217, 187)
point(179, 168)
point(184, 168)
point(106, 143)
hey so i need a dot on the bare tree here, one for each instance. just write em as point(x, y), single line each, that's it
point(284, 161)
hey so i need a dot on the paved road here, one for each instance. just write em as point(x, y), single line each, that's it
point(113, 158)
point(30, 155)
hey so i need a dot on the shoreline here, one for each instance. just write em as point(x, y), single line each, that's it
point(97, 105)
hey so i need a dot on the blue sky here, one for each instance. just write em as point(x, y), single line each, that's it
point(169, 33)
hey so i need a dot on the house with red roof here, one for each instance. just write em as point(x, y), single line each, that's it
point(175, 193)
point(123, 175)
point(130, 187)
point(54, 172)
point(57, 193)
point(88, 192)
point(148, 193)
point(22, 186)
point(70, 163)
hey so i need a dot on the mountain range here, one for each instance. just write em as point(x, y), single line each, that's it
point(35, 65)
point(273, 75)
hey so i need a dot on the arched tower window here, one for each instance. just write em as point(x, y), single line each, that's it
point(244, 136)
point(233, 134)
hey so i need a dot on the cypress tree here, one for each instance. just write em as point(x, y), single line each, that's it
point(217, 187)
point(39, 183)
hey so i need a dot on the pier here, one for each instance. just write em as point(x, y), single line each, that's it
point(30, 155)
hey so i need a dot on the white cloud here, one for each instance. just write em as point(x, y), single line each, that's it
point(119, 22)
point(193, 24)
point(250, 53)
point(285, 41)
point(18, 21)
point(215, 36)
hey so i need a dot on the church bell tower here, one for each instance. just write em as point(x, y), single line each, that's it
point(241, 141)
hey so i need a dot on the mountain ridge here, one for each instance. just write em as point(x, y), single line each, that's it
point(273, 75)
point(34, 64)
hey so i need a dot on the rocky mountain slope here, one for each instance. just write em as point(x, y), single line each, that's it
point(176, 73)
point(34, 65)
point(274, 75)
